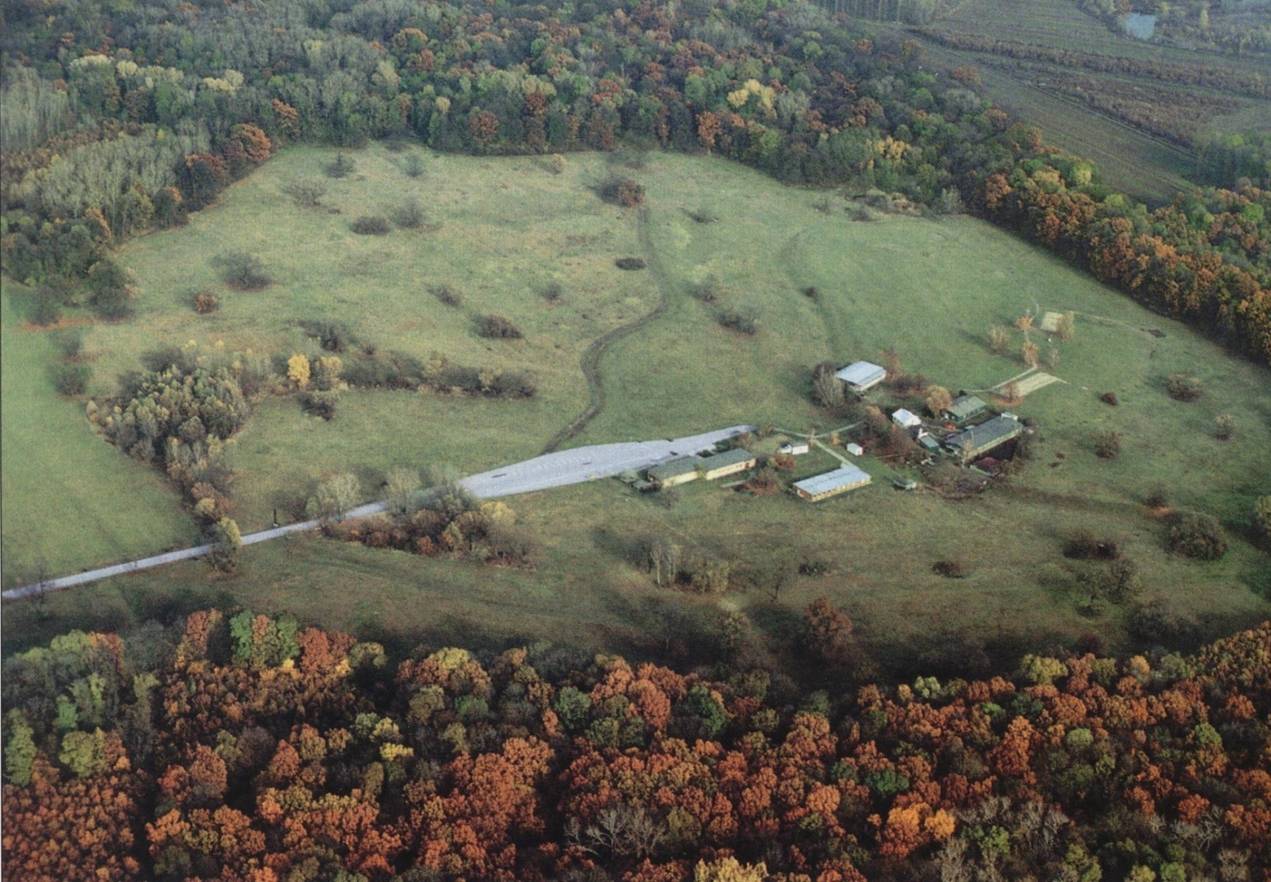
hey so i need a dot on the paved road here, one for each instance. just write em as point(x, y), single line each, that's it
point(559, 469)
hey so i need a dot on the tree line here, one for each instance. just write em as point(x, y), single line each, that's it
point(199, 94)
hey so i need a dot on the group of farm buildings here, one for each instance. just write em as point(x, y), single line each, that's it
point(967, 438)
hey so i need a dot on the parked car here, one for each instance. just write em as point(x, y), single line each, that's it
point(904, 483)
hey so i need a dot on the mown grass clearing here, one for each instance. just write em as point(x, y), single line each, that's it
point(930, 289)
point(69, 500)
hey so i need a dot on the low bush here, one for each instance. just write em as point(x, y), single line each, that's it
point(1084, 545)
point(320, 404)
point(306, 193)
point(622, 191)
point(205, 303)
point(243, 271)
point(331, 336)
point(341, 167)
point(709, 290)
point(413, 165)
point(409, 215)
point(1224, 427)
point(949, 569)
point(390, 370)
point(741, 322)
point(1107, 444)
point(703, 216)
point(44, 307)
point(71, 379)
point(553, 292)
point(1110, 398)
point(812, 293)
point(371, 225)
point(630, 263)
point(447, 295)
point(1197, 536)
point(497, 327)
point(69, 343)
point(1183, 387)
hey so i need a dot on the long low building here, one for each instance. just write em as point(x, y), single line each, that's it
point(730, 462)
point(978, 440)
point(827, 484)
point(677, 471)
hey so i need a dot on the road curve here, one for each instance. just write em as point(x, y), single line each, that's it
point(560, 469)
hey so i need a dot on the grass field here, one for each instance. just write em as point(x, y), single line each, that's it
point(69, 501)
point(1129, 157)
point(504, 227)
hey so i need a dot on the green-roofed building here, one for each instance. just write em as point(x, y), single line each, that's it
point(677, 471)
point(964, 408)
point(730, 462)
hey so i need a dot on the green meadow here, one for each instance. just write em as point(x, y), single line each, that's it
point(499, 231)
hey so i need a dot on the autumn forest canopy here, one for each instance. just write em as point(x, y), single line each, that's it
point(244, 748)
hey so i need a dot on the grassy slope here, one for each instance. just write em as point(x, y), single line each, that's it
point(70, 501)
point(929, 288)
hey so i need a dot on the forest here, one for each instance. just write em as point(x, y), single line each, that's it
point(123, 117)
point(243, 748)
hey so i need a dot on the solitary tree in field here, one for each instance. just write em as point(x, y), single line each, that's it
point(664, 561)
point(1025, 323)
point(1224, 426)
point(999, 339)
point(1029, 353)
point(827, 388)
point(298, 370)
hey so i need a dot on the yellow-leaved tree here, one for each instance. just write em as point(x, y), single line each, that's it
point(298, 370)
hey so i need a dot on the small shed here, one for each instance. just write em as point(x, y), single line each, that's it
point(906, 419)
point(861, 375)
point(855, 449)
point(928, 443)
point(677, 471)
point(794, 448)
point(827, 484)
point(964, 409)
point(730, 462)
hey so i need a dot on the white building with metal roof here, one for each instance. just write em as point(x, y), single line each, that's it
point(823, 486)
point(861, 375)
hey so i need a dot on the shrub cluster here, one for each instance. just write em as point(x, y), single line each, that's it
point(497, 327)
point(371, 225)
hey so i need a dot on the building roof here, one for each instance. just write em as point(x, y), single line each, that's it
point(675, 468)
point(826, 482)
point(727, 458)
point(1000, 428)
point(861, 373)
point(906, 418)
point(855, 449)
point(965, 406)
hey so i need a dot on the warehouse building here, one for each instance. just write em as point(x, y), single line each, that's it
point(861, 375)
point(823, 486)
point(730, 462)
point(972, 443)
point(675, 472)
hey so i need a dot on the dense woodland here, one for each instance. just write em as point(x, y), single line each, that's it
point(242, 748)
point(121, 117)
